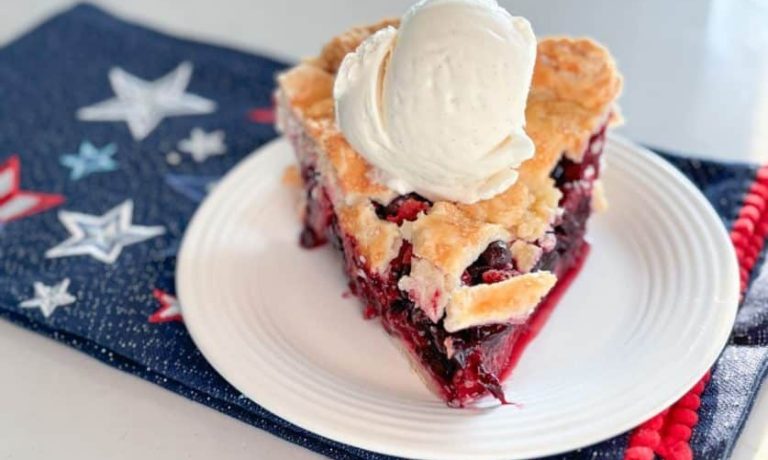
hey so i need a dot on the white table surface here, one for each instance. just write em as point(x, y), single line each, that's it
point(696, 81)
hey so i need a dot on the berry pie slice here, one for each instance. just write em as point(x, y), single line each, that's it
point(461, 286)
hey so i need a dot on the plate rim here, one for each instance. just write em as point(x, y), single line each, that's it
point(185, 267)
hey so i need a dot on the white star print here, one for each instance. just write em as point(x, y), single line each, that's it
point(48, 298)
point(143, 104)
point(102, 237)
point(202, 145)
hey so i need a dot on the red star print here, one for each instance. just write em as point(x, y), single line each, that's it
point(16, 203)
point(169, 310)
point(263, 115)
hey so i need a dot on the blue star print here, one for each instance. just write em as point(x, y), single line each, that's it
point(90, 159)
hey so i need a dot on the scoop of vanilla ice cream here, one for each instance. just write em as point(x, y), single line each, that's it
point(438, 105)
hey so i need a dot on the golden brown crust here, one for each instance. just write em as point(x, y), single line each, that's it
point(599, 200)
point(525, 255)
point(377, 240)
point(292, 177)
point(352, 171)
point(577, 70)
point(514, 298)
point(450, 239)
point(341, 45)
point(306, 85)
point(526, 209)
point(574, 86)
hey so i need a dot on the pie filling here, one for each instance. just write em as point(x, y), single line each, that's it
point(463, 365)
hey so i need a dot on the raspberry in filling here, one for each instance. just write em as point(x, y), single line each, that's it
point(403, 208)
point(494, 264)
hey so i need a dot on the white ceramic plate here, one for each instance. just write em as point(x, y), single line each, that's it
point(648, 315)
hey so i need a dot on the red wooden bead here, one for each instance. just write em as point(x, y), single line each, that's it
point(743, 273)
point(759, 189)
point(686, 417)
point(679, 451)
point(638, 453)
point(689, 401)
point(737, 238)
point(749, 212)
point(678, 431)
point(739, 253)
point(662, 450)
point(750, 252)
point(743, 225)
point(749, 261)
point(645, 438)
point(762, 175)
point(754, 200)
point(654, 424)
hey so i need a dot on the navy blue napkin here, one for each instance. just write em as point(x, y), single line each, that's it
point(110, 136)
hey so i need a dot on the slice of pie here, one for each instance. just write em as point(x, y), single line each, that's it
point(461, 286)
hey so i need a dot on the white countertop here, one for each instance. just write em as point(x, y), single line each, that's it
point(696, 81)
